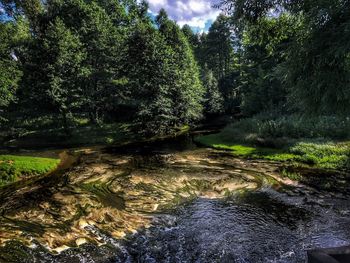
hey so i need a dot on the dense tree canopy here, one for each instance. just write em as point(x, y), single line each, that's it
point(107, 60)
point(314, 65)
point(10, 72)
point(98, 58)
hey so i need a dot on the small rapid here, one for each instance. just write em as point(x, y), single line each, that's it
point(262, 226)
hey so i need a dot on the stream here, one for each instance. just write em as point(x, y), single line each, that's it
point(167, 201)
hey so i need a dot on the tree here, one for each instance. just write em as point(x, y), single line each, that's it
point(64, 69)
point(316, 70)
point(192, 38)
point(10, 71)
point(102, 34)
point(264, 52)
point(218, 48)
point(187, 90)
point(214, 101)
point(216, 52)
point(31, 9)
point(150, 79)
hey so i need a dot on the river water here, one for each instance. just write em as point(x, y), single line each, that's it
point(168, 201)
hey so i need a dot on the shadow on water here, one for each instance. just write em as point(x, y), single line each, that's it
point(167, 201)
point(163, 146)
point(248, 229)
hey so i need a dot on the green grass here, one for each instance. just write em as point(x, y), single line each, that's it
point(13, 168)
point(291, 175)
point(244, 150)
point(330, 155)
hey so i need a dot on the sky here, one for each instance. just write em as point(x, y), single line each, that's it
point(199, 14)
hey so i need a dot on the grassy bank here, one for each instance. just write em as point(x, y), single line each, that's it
point(45, 133)
point(14, 168)
point(299, 141)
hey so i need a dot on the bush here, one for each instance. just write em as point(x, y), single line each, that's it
point(296, 127)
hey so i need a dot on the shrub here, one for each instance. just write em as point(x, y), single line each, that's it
point(295, 126)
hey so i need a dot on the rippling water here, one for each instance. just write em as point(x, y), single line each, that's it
point(262, 227)
point(170, 203)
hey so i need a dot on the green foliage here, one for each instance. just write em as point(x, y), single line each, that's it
point(272, 130)
point(105, 60)
point(318, 65)
point(192, 38)
point(163, 77)
point(291, 175)
point(214, 103)
point(215, 53)
point(314, 68)
point(218, 47)
point(31, 9)
point(264, 49)
point(304, 127)
point(187, 90)
point(327, 155)
point(294, 138)
point(149, 74)
point(45, 132)
point(10, 72)
point(65, 55)
point(305, 140)
point(218, 141)
point(14, 167)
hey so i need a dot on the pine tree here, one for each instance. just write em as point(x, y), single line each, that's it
point(218, 47)
point(187, 90)
point(192, 38)
point(64, 69)
point(150, 79)
point(10, 71)
point(102, 27)
point(214, 101)
point(216, 52)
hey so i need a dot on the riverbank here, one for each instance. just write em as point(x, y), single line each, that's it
point(14, 168)
point(79, 135)
point(245, 139)
point(33, 153)
point(44, 133)
point(115, 205)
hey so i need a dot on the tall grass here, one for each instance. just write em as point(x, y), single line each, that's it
point(319, 141)
point(295, 126)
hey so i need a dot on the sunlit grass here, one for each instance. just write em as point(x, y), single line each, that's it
point(330, 155)
point(12, 168)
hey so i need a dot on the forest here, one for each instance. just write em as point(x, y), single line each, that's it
point(125, 137)
point(100, 72)
point(64, 63)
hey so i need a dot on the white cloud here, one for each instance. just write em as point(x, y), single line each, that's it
point(195, 13)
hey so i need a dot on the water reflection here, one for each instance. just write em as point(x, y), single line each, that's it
point(169, 205)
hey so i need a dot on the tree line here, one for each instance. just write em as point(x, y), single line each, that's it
point(294, 55)
point(105, 59)
point(109, 61)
